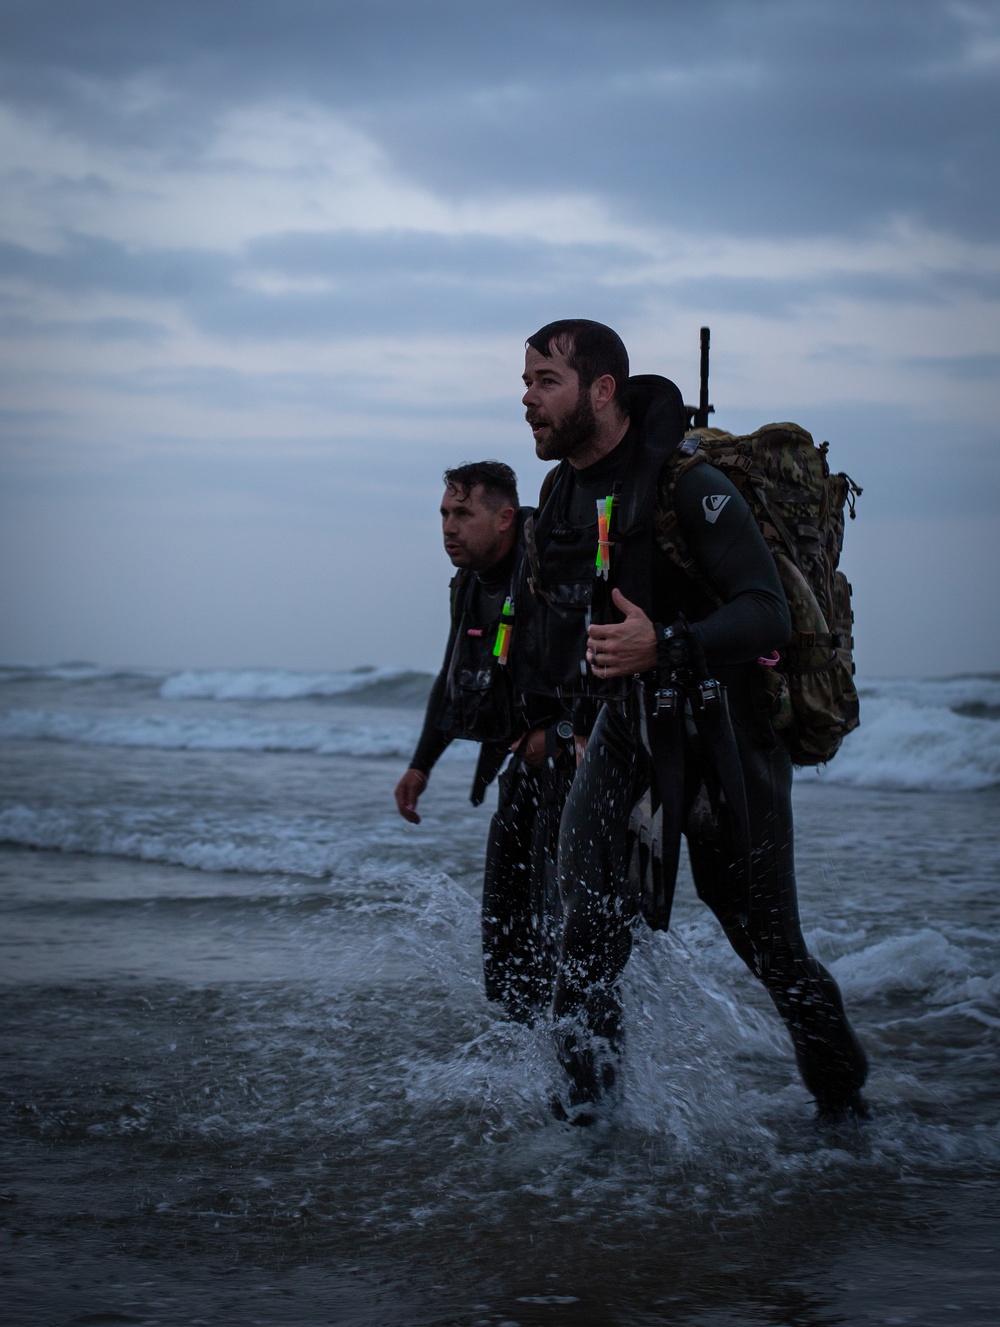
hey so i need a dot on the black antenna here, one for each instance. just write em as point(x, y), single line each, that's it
point(698, 415)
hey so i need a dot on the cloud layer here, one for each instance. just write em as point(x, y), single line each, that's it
point(251, 256)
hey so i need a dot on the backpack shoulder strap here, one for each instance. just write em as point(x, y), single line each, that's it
point(458, 588)
point(548, 483)
point(531, 541)
point(666, 527)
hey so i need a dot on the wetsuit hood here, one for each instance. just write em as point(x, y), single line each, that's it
point(658, 419)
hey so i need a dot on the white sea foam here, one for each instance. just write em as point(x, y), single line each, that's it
point(173, 733)
point(395, 685)
point(917, 962)
point(222, 842)
point(911, 737)
point(969, 691)
point(75, 673)
point(272, 684)
point(936, 976)
point(917, 735)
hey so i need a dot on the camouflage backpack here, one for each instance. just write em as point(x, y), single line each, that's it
point(799, 507)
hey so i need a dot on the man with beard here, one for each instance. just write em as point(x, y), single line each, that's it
point(472, 697)
point(622, 631)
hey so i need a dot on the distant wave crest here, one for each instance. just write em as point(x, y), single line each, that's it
point(173, 733)
point(400, 686)
point(922, 736)
point(284, 684)
point(255, 847)
point(916, 735)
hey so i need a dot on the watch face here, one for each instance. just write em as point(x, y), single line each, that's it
point(565, 729)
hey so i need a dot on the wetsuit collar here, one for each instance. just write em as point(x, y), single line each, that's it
point(498, 576)
point(612, 464)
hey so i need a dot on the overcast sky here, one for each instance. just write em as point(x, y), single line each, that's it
point(266, 269)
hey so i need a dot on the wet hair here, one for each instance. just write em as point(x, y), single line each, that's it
point(591, 350)
point(499, 482)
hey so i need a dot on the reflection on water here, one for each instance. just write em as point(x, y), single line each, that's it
point(275, 1093)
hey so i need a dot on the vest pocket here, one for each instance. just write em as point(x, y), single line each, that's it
point(562, 660)
point(481, 705)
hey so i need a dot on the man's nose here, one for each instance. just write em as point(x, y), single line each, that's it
point(526, 398)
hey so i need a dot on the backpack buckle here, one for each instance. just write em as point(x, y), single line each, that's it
point(665, 702)
point(709, 695)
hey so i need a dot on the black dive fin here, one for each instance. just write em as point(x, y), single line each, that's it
point(720, 760)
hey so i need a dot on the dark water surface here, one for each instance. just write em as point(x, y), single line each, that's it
point(275, 1094)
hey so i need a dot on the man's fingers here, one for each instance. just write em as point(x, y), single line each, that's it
point(601, 636)
point(602, 652)
point(624, 605)
point(619, 649)
point(609, 632)
point(408, 791)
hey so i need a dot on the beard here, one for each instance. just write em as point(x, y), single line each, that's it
point(574, 433)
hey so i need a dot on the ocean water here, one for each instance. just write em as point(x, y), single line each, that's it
point(249, 1075)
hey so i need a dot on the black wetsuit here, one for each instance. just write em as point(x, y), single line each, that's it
point(476, 604)
point(520, 909)
point(599, 905)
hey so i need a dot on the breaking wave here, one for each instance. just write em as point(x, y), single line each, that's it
point(938, 735)
point(916, 735)
point(284, 684)
point(173, 733)
point(389, 686)
point(254, 845)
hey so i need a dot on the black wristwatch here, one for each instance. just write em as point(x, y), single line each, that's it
point(672, 648)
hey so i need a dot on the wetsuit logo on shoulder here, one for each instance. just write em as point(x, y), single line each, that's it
point(712, 506)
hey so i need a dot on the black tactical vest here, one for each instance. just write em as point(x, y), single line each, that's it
point(478, 695)
point(563, 593)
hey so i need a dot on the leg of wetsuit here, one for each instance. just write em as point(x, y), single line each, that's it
point(598, 906)
point(517, 917)
point(553, 781)
point(830, 1058)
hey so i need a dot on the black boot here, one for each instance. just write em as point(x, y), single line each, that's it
point(852, 1109)
point(591, 1064)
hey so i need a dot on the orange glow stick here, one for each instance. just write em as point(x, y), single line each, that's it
point(505, 630)
point(603, 542)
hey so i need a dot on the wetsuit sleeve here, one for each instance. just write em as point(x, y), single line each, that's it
point(433, 740)
point(732, 556)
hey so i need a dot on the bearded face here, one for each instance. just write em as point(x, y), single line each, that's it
point(561, 434)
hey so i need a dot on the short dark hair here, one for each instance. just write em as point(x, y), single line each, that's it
point(591, 350)
point(499, 482)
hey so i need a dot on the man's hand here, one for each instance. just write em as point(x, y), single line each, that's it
point(408, 790)
point(531, 747)
point(619, 649)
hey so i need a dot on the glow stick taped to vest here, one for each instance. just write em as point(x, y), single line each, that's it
point(501, 646)
point(603, 562)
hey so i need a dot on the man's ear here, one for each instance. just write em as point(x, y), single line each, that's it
point(505, 518)
point(602, 391)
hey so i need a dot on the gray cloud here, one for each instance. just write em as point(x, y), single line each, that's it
point(226, 390)
point(92, 263)
point(962, 368)
point(784, 298)
point(407, 282)
point(784, 117)
point(88, 329)
point(401, 282)
point(776, 168)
